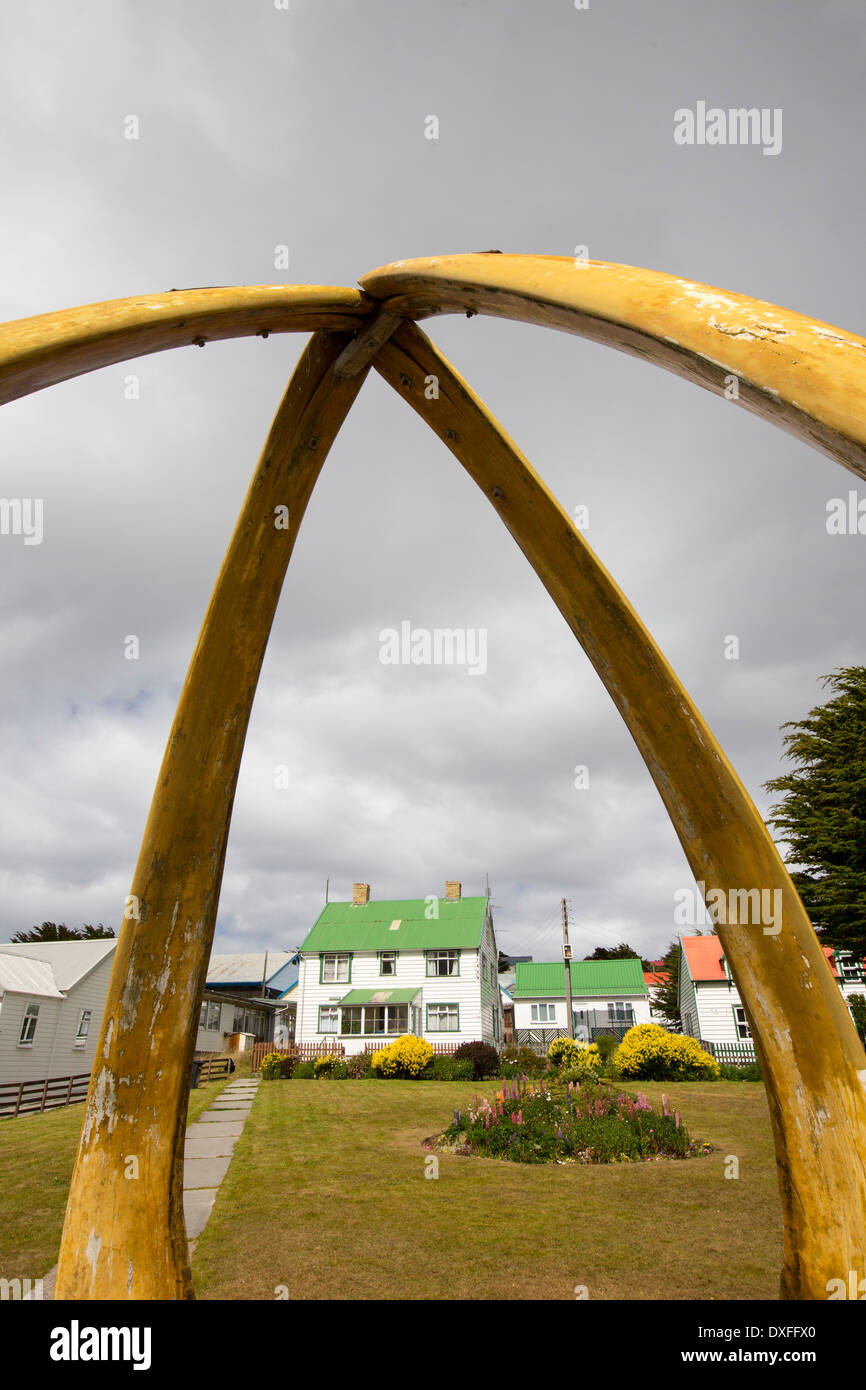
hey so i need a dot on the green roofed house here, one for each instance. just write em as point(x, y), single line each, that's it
point(371, 971)
point(607, 996)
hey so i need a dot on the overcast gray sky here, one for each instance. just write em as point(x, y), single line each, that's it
point(306, 127)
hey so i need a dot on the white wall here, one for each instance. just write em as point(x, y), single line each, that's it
point(53, 1051)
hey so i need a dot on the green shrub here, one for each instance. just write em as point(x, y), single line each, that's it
point(450, 1069)
point(304, 1071)
point(484, 1059)
point(751, 1072)
point(358, 1065)
point(338, 1072)
point(287, 1066)
point(521, 1061)
point(607, 1046)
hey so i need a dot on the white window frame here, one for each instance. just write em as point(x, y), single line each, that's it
point(445, 956)
point(338, 960)
point(453, 1011)
point(84, 1020)
point(26, 1036)
point(740, 1023)
point(548, 1016)
point(329, 1009)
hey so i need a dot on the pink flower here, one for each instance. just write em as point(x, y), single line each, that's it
point(665, 1106)
point(677, 1118)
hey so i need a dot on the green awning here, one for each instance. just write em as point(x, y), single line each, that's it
point(380, 996)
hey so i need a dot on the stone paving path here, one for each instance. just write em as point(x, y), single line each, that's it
point(207, 1153)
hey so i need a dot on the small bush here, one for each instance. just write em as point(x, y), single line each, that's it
point(607, 1045)
point(358, 1065)
point(649, 1052)
point(287, 1066)
point(751, 1072)
point(484, 1059)
point(324, 1065)
point(405, 1057)
point(304, 1071)
point(338, 1072)
point(271, 1068)
point(521, 1061)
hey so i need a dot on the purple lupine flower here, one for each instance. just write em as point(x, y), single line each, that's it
point(665, 1107)
point(677, 1119)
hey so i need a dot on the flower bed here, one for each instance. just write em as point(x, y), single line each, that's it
point(555, 1122)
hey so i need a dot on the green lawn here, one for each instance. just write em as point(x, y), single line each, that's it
point(327, 1196)
point(37, 1153)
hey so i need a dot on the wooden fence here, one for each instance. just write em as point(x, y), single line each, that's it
point(732, 1054)
point(214, 1067)
point(27, 1097)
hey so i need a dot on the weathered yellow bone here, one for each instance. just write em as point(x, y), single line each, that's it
point(50, 348)
point(124, 1238)
point(807, 377)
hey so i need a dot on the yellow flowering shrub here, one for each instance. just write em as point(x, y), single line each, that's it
point(271, 1066)
point(405, 1056)
point(569, 1054)
point(652, 1053)
point(325, 1062)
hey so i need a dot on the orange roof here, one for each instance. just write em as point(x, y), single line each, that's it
point(656, 977)
point(704, 955)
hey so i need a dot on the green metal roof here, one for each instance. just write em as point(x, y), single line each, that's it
point(535, 979)
point(368, 926)
point(380, 996)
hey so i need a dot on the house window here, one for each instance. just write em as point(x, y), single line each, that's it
point(83, 1028)
point(619, 1011)
point(375, 1020)
point(443, 1018)
point(329, 1018)
point(336, 968)
point(387, 962)
point(850, 970)
point(543, 1013)
point(209, 1018)
point(28, 1026)
point(743, 1029)
point(443, 962)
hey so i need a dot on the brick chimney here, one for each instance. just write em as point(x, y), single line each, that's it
point(361, 894)
point(453, 890)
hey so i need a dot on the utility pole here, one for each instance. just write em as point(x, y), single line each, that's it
point(566, 954)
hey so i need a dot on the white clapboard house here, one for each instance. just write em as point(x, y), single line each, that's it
point(710, 1005)
point(371, 971)
point(607, 996)
point(52, 994)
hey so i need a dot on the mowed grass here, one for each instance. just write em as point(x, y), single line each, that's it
point(326, 1195)
point(37, 1155)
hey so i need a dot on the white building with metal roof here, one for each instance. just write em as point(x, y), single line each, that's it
point(52, 994)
